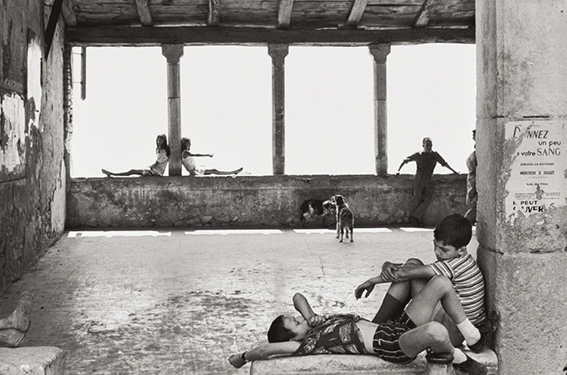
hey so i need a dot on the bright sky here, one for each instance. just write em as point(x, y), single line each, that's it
point(226, 107)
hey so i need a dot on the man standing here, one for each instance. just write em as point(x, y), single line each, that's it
point(472, 194)
point(426, 161)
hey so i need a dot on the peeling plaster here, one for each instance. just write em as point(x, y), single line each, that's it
point(13, 137)
point(534, 186)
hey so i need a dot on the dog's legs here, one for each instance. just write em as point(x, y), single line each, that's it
point(351, 235)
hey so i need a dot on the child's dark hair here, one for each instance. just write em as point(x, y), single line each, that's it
point(277, 331)
point(454, 230)
point(184, 143)
point(165, 146)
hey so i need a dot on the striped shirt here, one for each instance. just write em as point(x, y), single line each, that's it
point(468, 282)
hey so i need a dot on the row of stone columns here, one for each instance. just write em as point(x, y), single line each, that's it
point(277, 52)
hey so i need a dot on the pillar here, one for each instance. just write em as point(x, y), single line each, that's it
point(521, 148)
point(278, 52)
point(173, 53)
point(380, 53)
point(68, 110)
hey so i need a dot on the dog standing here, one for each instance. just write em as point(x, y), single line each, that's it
point(345, 218)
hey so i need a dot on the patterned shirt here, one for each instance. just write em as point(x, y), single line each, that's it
point(468, 282)
point(426, 162)
point(339, 334)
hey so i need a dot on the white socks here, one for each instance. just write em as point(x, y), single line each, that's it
point(469, 332)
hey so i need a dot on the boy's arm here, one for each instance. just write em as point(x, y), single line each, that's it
point(302, 306)
point(263, 351)
point(190, 154)
point(387, 276)
point(404, 273)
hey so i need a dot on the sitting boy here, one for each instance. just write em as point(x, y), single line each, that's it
point(450, 238)
point(397, 341)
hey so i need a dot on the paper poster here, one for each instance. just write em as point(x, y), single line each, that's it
point(539, 167)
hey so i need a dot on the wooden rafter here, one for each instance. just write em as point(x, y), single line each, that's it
point(424, 15)
point(52, 25)
point(284, 13)
point(155, 36)
point(356, 12)
point(144, 12)
point(214, 13)
point(69, 13)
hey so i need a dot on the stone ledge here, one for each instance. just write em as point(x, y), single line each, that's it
point(33, 360)
point(337, 364)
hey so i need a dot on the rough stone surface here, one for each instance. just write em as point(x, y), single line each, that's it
point(39, 360)
point(521, 76)
point(360, 365)
point(32, 185)
point(528, 292)
point(245, 201)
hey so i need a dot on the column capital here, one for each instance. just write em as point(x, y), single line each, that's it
point(172, 52)
point(380, 52)
point(278, 52)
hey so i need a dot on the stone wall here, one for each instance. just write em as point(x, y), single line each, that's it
point(521, 60)
point(246, 201)
point(32, 172)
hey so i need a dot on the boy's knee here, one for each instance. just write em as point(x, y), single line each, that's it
point(413, 262)
point(442, 282)
point(436, 332)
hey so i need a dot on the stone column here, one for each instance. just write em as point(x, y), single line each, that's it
point(68, 110)
point(380, 53)
point(521, 179)
point(278, 52)
point(173, 53)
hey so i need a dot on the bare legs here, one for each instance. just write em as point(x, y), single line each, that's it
point(13, 329)
point(222, 173)
point(430, 335)
point(139, 172)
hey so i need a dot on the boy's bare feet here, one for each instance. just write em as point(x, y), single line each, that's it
point(12, 337)
point(20, 319)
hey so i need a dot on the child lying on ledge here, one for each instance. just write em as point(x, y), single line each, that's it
point(397, 341)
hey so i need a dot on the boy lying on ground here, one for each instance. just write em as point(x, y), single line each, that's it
point(397, 341)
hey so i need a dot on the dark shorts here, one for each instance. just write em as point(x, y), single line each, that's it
point(386, 342)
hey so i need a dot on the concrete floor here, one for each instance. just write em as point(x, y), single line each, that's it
point(177, 302)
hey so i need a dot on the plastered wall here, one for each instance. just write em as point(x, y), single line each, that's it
point(32, 177)
point(522, 179)
point(246, 201)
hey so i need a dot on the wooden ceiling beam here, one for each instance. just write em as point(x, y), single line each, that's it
point(356, 13)
point(284, 13)
point(424, 14)
point(155, 36)
point(67, 10)
point(214, 13)
point(144, 12)
point(69, 13)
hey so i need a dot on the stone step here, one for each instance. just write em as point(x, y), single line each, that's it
point(339, 364)
point(32, 360)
